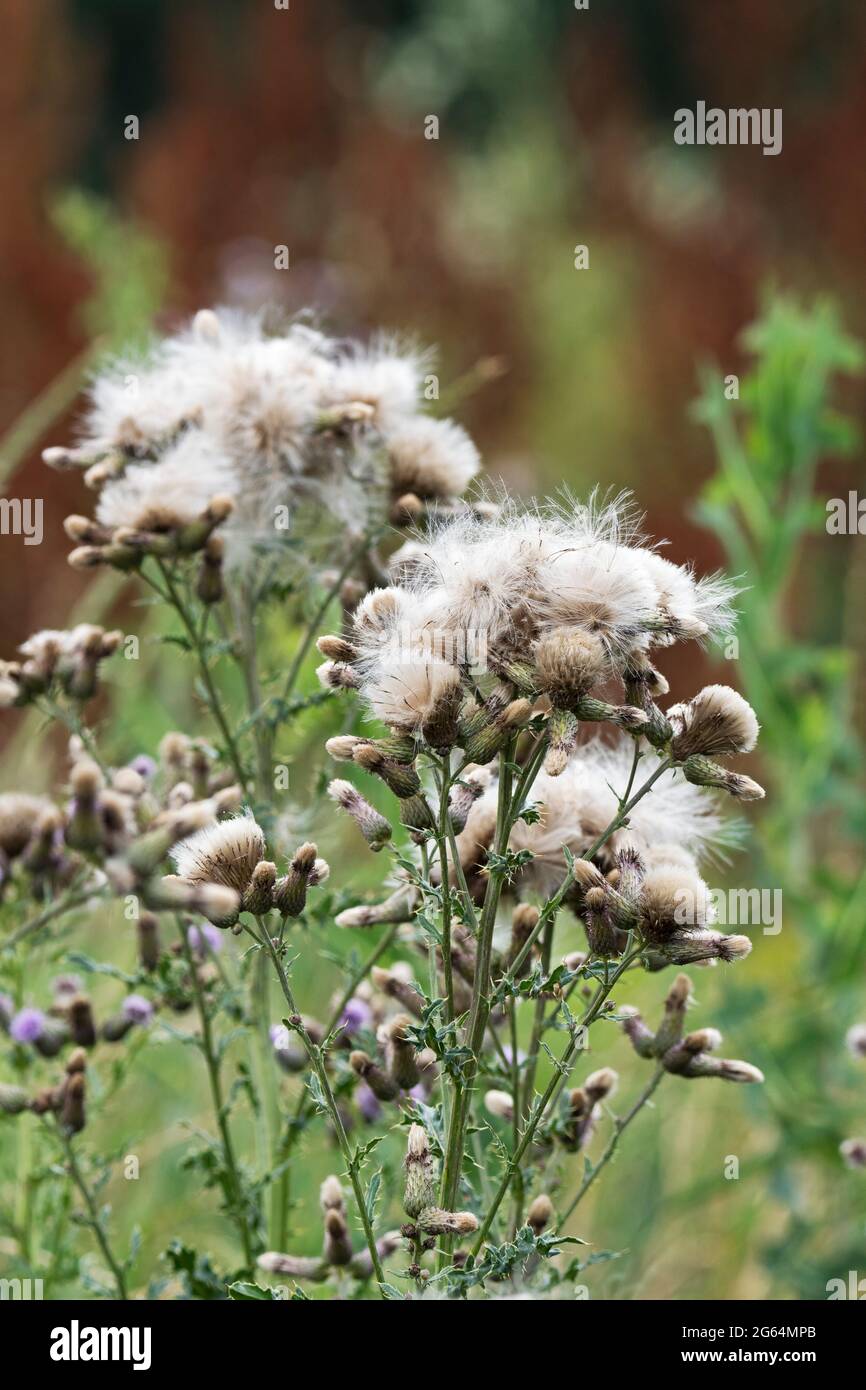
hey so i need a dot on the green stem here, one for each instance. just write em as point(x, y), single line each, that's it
point(318, 1064)
point(94, 1218)
point(213, 700)
point(621, 1124)
point(542, 1103)
point(236, 1195)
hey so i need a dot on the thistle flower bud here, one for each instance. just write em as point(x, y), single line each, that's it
point(639, 1035)
point(671, 1027)
point(338, 675)
point(400, 1053)
point(383, 1086)
point(306, 871)
point(601, 932)
point(209, 585)
point(400, 778)
point(373, 826)
point(464, 793)
point(416, 814)
point(716, 722)
point(342, 747)
point(331, 1194)
point(563, 727)
point(258, 896)
point(600, 1084)
point(568, 664)
point(80, 1018)
point(853, 1152)
point(13, 1100)
point(855, 1040)
point(215, 902)
point(395, 987)
point(628, 717)
point(743, 1072)
point(689, 948)
point(338, 1244)
point(294, 1266)
point(491, 736)
point(336, 649)
point(53, 1037)
point(72, 1111)
point(420, 1191)
point(540, 1214)
point(704, 773)
point(436, 1222)
point(500, 1104)
point(703, 1040)
point(149, 940)
point(399, 907)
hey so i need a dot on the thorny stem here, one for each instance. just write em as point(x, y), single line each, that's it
point(542, 1103)
point(445, 884)
point(480, 1007)
point(213, 1071)
point(620, 1125)
point(94, 1218)
point(537, 1026)
point(295, 1124)
point(316, 1059)
point(213, 700)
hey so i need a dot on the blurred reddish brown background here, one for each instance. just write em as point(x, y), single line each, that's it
point(260, 127)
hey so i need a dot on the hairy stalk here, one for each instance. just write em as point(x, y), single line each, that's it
point(543, 1101)
point(445, 882)
point(480, 1007)
point(235, 1185)
point(537, 1027)
point(295, 1124)
point(94, 1217)
point(213, 701)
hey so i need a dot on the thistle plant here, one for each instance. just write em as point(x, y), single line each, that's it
point(498, 739)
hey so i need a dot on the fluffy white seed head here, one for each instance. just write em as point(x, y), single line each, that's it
point(226, 852)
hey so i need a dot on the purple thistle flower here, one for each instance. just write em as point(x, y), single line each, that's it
point(367, 1104)
point(356, 1015)
point(144, 766)
point(279, 1036)
point(205, 938)
point(27, 1025)
point(137, 1009)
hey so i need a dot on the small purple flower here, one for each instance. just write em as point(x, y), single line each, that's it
point(356, 1015)
point(205, 938)
point(367, 1104)
point(418, 1092)
point(137, 1009)
point(27, 1025)
point(66, 985)
point(144, 766)
point(279, 1035)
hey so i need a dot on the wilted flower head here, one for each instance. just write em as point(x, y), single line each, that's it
point(227, 408)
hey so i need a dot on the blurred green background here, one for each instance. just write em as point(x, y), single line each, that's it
point(260, 127)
